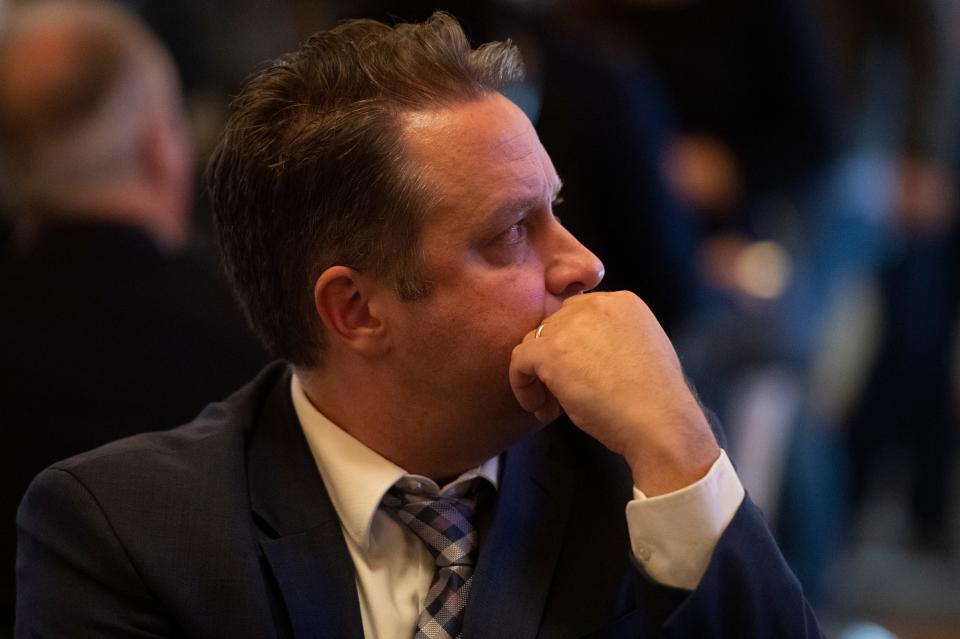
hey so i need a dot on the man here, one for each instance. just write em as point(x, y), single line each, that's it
point(387, 219)
point(112, 322)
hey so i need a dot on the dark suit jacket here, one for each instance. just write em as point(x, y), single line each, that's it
point(223, 528)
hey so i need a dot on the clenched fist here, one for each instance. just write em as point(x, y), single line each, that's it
point(604, 360)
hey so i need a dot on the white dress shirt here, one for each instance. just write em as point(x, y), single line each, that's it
point(672, 535)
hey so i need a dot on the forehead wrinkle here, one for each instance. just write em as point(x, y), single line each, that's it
point(515, 146)
point(513, 166)
point(521, 156)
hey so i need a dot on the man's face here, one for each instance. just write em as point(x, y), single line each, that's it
point(498, 262)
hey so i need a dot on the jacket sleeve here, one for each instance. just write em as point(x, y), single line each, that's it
point(74, 576)
point(747, 592)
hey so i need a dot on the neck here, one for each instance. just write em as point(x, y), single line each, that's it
point(425, 438)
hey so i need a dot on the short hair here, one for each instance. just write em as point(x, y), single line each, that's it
point(76, 120)
point(311, 170)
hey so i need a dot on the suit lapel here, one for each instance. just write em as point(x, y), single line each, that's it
point(518, 556)
point(304, 543)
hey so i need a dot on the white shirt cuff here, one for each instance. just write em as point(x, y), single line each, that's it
point(673, 535)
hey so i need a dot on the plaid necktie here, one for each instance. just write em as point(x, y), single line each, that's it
point(444, 525)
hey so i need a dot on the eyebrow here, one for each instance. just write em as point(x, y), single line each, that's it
point(515, 207)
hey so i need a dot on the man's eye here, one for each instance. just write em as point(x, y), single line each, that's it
point(509, 246)
point(515, 234)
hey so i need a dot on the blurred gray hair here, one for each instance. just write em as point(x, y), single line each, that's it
point(83, 124)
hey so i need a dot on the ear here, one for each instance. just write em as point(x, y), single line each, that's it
point(342, 299)
point(158, 153)
point(165, 172)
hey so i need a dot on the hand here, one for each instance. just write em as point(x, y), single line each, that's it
point(604, 360)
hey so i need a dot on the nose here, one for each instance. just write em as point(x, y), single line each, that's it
point(571, 268)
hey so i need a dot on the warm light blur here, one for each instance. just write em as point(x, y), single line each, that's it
point(763, 270)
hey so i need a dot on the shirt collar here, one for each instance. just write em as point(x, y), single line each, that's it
point(357, 477)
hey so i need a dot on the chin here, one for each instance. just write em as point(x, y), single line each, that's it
point(518, 426)
point(502, 421)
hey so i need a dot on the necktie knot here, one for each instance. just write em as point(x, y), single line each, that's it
point(443, 524)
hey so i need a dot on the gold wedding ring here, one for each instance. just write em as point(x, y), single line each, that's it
point(539, 330)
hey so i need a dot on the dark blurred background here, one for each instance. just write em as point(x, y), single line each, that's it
point(776, 178)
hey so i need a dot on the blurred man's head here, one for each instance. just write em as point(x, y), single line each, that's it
point(91, 118)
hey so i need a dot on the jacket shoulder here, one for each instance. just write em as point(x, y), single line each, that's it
point(215, 439)
point(157, 525)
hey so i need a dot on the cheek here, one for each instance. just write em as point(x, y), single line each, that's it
point(486, 313)
point(527, 304)
point(503, 323)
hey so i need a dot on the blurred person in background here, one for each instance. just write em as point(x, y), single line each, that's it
point(895, 66)
point(112, 321)
point(823, 127)
point(867, 318)
point(875, 304)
